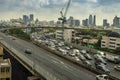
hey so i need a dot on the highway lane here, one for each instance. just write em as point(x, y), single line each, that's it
point(57, 65)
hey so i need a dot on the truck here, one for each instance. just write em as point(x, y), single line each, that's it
point(113, 58)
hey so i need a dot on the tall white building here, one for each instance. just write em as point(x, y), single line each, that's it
point(69, 34)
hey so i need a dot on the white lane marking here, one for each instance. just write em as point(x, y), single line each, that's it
point(55, 61)
point(62, 62)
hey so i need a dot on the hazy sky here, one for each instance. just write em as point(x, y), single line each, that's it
point(49, 9)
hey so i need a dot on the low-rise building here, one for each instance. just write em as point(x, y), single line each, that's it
point(58, 34)
point(110, 42)
point(1, 53)
point(5, 69)
point(116, 30)
point(90, 41)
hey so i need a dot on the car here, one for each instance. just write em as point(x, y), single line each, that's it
point(28, 51)
point(87, 63)
point(98, 58)
point(102, 77)
point(88, 56)
point(76, 58)
point(102, 60)
point(83, 51)
point(71, 47)
point(117, 67)
point(82, 57)
point(101, 53)
point(67, 48)
point(72, 55)
point(102, 67)
point(13, 39)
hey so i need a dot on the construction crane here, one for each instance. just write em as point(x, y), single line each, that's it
point(63, 17)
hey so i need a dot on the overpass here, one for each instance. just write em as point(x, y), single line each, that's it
point(44, 63)
point(49, 27)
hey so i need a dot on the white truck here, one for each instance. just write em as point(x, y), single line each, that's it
point(113, 58)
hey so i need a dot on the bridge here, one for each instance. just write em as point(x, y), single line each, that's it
point(49, 27)
point(41, 62)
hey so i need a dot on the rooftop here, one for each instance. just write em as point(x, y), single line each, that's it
point(5, 62)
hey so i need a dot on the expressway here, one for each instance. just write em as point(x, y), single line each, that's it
point(61, 68)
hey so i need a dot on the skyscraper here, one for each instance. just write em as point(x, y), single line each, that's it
point(31, 17)
point(76, 22)
point(105, 23)
point(90, 20)
point(25, 19)
point(94, 20)
point(85, 22)
point(116, 21)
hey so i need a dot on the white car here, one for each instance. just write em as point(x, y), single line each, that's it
point(76, 58)
point(102, 77)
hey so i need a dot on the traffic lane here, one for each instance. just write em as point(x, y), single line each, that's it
point(66, 71)
point(7, 38)
point(12, 43)
point(69, 72)
point(112, 70)
point(49, 58)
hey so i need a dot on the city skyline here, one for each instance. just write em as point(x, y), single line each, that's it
point(49, 9)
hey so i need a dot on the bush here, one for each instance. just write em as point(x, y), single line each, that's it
point(19, 33)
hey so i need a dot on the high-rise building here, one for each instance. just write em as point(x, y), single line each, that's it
point(85, 22)
point(116, 21)
point(51, 23)
point(105, 23)
point(90, 20)
point(94, 20)
point(76, 22)
point(70, 21)
point(31, 17)
point(25, 19)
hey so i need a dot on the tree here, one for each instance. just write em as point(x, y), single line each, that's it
point(98, 44)
point(19, 33)
point(52, 30)
point(117, 51)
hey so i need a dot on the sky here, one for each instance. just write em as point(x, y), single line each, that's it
point(50, 9)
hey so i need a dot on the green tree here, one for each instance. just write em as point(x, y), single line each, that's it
point(52, 30)
point(117, 51)
point(19, 33)
point(98, 44)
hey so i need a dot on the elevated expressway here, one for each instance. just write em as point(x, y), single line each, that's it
point(43, 62)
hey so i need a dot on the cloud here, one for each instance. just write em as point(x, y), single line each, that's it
point(108, 2)
point(51, 8)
